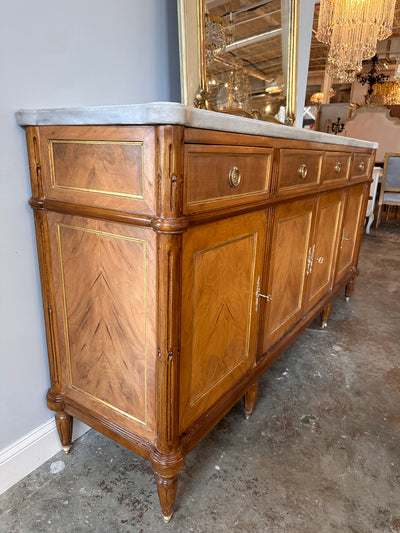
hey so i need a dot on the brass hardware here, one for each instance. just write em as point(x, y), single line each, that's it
point(234, 177)
point(344, 239)
point(311, 258)
point(338, 167)
point(361, 166)
point(302, 171)
point(268, 297)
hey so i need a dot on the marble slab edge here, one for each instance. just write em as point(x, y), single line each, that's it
point(175, 114)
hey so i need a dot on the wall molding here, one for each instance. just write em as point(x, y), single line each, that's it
point(32, 450)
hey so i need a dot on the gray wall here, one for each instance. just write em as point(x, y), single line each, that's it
point(57, 53)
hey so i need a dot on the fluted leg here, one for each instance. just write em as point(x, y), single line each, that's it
point(324, 316)
point(249, 399)
point(349, 289)
point(167, 488)
point(64, 428)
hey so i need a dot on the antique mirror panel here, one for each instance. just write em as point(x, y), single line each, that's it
point(239, 56)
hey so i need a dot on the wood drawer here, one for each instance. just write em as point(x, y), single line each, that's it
point(335, 167)
point(298, 169)
point(361, 166)
point(223, 175)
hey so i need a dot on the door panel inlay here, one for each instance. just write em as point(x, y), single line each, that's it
point(222, 294)
point(105, 316)
point(292, 235)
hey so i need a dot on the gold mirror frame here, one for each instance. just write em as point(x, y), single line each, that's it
point(193, 63)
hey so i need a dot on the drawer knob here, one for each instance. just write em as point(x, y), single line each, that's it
point(303, 171)
point(361, 166)
point(234, 177)
point(338, 167)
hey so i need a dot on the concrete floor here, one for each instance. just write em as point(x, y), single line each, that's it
point(320, 454)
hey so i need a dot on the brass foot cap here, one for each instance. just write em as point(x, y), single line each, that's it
point(324, 325)
point(67, 449)
point(248, 414)
point(167, 518)
point(347, 298)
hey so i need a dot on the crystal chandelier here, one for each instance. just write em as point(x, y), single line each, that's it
point(351, 28)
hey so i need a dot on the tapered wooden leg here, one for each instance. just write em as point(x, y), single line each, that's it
point(349, 289)
point(167, 488)
point(249, 399)
point(324, 316)
point(378, 218)
point(64, 428)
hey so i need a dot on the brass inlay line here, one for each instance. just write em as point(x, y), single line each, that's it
point(66, 329)
point(240, 195)
point(193, 400)
point(99, 191)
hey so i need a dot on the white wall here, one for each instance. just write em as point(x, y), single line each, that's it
point(57, 53)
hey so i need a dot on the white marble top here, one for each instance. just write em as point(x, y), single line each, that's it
point(177, 114)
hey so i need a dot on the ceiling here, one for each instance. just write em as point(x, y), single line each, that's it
point(254, 32)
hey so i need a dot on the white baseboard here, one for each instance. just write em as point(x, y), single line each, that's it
point(27, 453)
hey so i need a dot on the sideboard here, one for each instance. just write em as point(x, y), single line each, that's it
point(181, 251)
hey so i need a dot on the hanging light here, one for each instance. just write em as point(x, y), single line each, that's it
point(318, 98)
point(389, 91)
point(351, 29)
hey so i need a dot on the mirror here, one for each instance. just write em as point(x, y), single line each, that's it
point(239, 56)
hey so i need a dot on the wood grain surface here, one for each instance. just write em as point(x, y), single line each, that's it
point(106, 298)
point(286, 277)
point(335, 168)
point(348, 238)
point(325, 244)
point(221, 265)
point(105, 167)
point(290, 163)
point(109, 167)
point(207, 174)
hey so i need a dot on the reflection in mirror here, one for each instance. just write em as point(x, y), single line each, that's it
point(322, 89)
point(246, 62)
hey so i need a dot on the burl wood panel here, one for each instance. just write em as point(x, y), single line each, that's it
point(349, 231)
point(335, 168)
point(221, 265)
point(290, 243)
point(325, 240)
point(105, 167)
point(207, 174)
point(106, 278)
point(290, 163)
point(101, 166)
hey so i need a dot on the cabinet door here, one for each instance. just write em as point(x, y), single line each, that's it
point(323, 248)
point(350, 231)
point(287, 266)
point(221, 263)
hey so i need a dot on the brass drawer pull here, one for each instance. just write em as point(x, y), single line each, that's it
point(338, 167)
point(234, 177)
point(361, 166)
point(303, 171)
